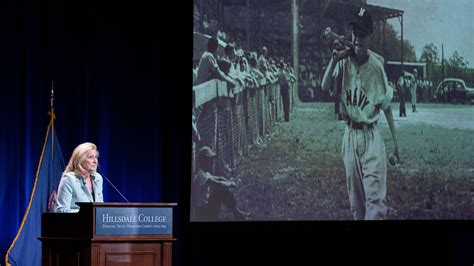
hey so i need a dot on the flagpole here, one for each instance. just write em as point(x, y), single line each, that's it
point(47, 177)
point(52, 117)
point(52, 96)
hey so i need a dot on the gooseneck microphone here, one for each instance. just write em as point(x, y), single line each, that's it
point(113, 186)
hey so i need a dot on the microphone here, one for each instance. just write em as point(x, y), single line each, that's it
point(116, 189)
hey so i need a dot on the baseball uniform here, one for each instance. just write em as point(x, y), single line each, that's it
point(365, 91)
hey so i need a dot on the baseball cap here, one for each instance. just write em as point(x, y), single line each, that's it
point(205, 152)
point(362, 20)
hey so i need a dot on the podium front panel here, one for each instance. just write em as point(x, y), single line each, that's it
point(133, 221)
point(111, 254)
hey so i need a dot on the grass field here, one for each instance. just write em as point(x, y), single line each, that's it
point(297, 172)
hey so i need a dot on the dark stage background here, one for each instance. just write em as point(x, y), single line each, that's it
point(105, 58)
point(122, 80)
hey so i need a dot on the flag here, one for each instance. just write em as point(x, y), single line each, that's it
point(26, 247)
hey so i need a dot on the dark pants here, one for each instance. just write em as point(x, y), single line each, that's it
point(403, 111)
point(285, 95)
point(219, 195)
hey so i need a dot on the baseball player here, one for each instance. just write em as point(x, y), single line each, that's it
point(401, 85)
point(414, 84)
point(365, 91)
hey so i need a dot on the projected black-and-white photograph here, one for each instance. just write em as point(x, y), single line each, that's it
point(308, 110)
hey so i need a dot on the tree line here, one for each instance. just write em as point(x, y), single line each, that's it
point(437, 68)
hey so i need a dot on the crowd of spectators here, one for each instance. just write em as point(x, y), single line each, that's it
point(239, 66)
point(279, 49)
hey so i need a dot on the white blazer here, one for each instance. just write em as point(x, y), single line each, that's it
point(72, 189)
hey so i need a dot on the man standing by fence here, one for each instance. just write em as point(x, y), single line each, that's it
point(284, 79)
point(208, 68)
point(413, 86)
point(401, 87)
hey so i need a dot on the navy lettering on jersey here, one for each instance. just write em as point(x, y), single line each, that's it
point(356, 98)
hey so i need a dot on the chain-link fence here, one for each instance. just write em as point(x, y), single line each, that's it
point(229, 123)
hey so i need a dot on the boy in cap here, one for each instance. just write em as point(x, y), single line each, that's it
point(365, 91)
point(209, 192)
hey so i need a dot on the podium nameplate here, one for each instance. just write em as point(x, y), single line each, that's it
point(113, 221)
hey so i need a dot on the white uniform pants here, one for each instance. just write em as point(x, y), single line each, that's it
point(413, 96)
point(364, 158)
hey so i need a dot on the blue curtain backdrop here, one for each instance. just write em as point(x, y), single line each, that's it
point(104, 60)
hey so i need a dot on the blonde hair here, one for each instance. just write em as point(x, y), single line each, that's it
point(78, 156)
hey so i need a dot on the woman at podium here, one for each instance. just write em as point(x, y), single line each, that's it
point(80, 181)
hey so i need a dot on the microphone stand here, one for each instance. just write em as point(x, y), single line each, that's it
point(114, 187)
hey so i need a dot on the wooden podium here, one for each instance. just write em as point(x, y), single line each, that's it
point(109, 234)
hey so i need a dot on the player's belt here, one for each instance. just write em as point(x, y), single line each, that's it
point(361, 126)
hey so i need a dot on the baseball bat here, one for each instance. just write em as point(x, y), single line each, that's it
point(328, 33)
